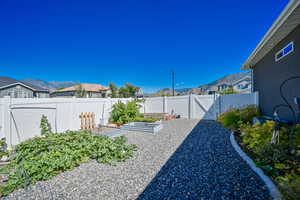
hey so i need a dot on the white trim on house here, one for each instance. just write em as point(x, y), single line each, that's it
point(275, 34)
point(283, 53)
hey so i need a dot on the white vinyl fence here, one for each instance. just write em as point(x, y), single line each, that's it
point(198, 106)
point(20, 118)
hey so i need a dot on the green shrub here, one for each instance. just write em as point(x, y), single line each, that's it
point(150, 120)
point(45, 126)
point(230, 119)
point(258, 135)
point(290, 186)
point(124, 113)
point(248, 113)
point(233, 118)
point(275, 159)
point(229, 91)
point(44, 157)
point(273, 154)
point(3, 149)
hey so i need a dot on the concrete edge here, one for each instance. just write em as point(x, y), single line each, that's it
point(273, 190)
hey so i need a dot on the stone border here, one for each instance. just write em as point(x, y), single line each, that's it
point(273, 190)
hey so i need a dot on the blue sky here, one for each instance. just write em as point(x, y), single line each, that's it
point(137, 41)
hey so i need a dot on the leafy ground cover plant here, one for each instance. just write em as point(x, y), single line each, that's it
point(44, 157)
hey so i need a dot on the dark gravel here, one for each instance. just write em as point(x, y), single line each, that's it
point(186, 160)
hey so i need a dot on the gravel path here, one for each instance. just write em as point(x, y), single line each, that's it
point(186, 160)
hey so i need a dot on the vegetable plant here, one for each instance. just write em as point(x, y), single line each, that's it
point(41, 158)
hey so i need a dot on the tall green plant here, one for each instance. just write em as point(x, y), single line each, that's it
point(45, 126)
point(123, 113)
point(114, 90)
point(80, 91)
point(129, 90)
point(3, 148)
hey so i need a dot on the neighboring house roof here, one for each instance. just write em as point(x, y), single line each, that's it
point(87, 87)
point(285, 24)
point(224, 84)
point(8, 82)
point(248, 77)
point(139, 92)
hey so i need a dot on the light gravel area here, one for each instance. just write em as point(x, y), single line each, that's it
point(188, 159)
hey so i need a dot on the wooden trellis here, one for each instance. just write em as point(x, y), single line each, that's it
point(87, 121)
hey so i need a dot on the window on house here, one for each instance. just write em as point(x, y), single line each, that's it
point(285, 51)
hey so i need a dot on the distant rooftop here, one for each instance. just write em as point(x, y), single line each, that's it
point(6, 82)
point(86, 86)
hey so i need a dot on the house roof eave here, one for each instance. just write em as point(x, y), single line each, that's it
point(24, 85)
point(264, 46)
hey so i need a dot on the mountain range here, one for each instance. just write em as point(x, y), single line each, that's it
point(229, 79)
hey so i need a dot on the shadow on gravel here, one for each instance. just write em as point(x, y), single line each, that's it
point(205, 166)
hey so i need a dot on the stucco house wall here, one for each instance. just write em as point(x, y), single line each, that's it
point(268, 75)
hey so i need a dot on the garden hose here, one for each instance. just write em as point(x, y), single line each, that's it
point(296, 115)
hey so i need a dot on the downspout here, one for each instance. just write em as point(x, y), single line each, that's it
point(252, 82)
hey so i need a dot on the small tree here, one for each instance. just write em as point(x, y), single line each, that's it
point(124, 92)
point(114, 90)
point(132, 89)
point(45, 126)
point(80, 91)
point(129, 90)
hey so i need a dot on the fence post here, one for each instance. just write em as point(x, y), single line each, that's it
point(1, 118)
point(256, 98)
point(6, 129)
point(165, 104)
point(72, 113)
point(218, 105)
point(191, 106)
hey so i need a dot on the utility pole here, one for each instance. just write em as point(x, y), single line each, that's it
point(173, 82)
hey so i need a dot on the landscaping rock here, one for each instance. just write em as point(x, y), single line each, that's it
point(186, 160)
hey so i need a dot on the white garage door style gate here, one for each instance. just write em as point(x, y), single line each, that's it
point(192, 106)
point(206, 107)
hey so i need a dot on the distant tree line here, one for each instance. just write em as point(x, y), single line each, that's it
point(128, 90)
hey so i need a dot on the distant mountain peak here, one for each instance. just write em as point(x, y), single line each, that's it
point(229, 79)
point(52, 85)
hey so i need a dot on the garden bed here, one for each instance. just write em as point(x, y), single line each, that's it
point(42, 158)
point(143, 126)
point(279, 159)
